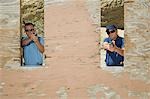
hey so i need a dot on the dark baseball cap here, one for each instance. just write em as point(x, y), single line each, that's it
point(111, 27)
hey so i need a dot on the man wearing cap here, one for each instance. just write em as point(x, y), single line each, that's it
point(114, 46)
point(33, 46)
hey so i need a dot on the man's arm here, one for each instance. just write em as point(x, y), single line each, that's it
point(105, 45)
point(119, 51)
point(40, 46)
point(37, 42)
point(113, 48)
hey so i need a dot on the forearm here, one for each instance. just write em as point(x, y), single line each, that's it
point(40, 46)
point(119, 51)
point(25, 42)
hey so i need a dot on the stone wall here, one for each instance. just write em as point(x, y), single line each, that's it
point(10, 33)
point(137, 33)
point(112, 12)
point(10, 17)
point(33, 11)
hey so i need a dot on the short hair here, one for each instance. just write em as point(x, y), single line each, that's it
point(26, 24)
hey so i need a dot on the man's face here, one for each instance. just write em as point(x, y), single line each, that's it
point(29, 29)
point(113, 34)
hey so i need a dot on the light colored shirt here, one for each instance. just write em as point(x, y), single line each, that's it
point(31, 53)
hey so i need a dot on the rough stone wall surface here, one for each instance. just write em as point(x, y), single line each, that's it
point(93, 7)
point(112, 12)
point(10, 32)
point(33, 11)
point(111, 3)
point(137, 47)
point(137, 33)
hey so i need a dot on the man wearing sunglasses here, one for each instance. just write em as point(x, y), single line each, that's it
point(33, 46)
point(114, 46)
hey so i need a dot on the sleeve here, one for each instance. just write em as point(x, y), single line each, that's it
point(122, 45)
point(23, 38)
point(42, 41)
point(106, 40)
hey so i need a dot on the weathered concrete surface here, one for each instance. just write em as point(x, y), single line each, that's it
point(33, 11)
point(112, 12)
point(10, 33)
point(72, 69)
point(137, 33)
point(137, 49)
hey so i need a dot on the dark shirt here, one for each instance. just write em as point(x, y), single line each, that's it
point(113, 58)
point(32, 55)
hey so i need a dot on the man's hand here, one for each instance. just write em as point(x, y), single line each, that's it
point(38, 44)
point(113, 48)
point(105, 45)
point(34, 38)
point(109, 47)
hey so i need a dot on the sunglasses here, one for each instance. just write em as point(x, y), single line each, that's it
point(108, 32)
point(29, 30)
